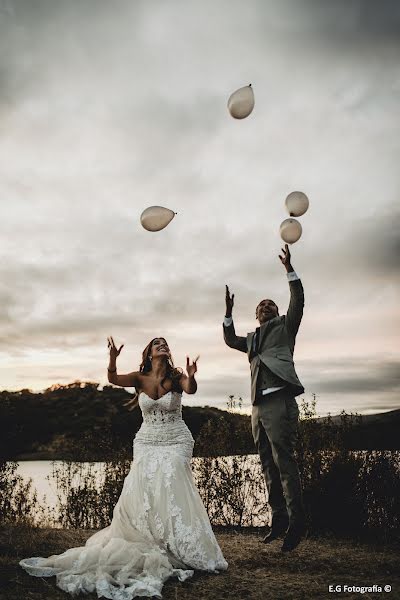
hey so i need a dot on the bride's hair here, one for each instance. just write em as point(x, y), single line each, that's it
point(172, 372)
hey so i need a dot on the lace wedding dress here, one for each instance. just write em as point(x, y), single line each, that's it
point(160, 527)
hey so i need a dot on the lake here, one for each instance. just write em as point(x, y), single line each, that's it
point(238, 479)
point(252, 491)
point(40, 472)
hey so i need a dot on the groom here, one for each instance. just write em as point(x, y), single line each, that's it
point(274, 385)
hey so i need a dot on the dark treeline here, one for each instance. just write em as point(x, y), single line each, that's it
point(80, 422)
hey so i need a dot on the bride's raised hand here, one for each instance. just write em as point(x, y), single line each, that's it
point(114, 352)
point(191, 369)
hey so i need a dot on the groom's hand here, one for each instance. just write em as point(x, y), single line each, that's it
point(229, 301)
point(285, 259)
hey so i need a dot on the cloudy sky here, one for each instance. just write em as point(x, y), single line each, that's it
point(109, 107)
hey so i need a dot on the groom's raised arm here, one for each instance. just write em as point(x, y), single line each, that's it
point(296, 305)
point(231, 339)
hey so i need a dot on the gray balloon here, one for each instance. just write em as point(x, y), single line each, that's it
point(297, 204)
point(156, 218)
point(290, 231)
point(241, 102)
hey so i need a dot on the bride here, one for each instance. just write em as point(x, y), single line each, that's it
point(160, 527)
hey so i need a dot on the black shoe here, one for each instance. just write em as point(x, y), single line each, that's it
point(293, 537)
point(277, 530)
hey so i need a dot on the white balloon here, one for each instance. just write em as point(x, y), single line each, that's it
point(156, 218)
point(296, 204)
point(290, 231)
point(241, 102)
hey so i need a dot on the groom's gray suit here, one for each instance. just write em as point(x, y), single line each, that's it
point(274, 385)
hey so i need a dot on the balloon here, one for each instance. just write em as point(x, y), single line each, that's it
point(296, 204)
point(156, 218)
point(241, 102)
point(290, 231)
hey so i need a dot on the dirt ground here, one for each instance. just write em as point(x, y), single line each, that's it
point(255, 571)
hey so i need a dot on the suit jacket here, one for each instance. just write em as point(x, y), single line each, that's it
point(276, 343)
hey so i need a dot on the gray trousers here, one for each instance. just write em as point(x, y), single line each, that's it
point(274, 423)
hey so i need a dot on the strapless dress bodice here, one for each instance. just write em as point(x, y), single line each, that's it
point(162, 422)
point(167, 409)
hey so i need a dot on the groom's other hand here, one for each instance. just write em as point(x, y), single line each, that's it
point(229, 301)
point(286, 259)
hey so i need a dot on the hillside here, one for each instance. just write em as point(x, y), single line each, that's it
point(80, 422)
point(378, 431)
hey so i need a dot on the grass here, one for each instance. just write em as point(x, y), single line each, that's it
point(256, 571)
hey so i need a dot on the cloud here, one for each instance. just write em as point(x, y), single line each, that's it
point(356, 377)
point(109, 108)
point(337, 19)
point(364, 250)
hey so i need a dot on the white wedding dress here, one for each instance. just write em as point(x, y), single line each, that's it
point(160, 527)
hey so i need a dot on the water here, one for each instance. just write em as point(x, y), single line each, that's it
point(40, 472)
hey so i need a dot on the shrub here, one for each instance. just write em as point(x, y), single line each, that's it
point(232, 490)
point(345, 492)
point(83, 502)
point(18, 500)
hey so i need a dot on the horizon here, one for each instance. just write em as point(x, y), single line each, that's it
point(108, 109)
point(245, 410)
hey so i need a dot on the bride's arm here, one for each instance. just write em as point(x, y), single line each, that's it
point(127, 380)
point(188, 382)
